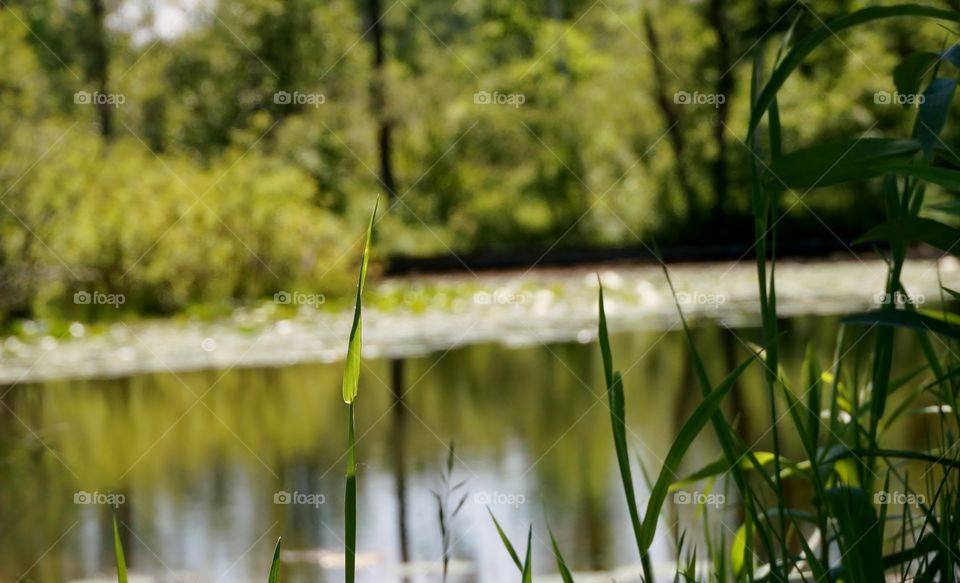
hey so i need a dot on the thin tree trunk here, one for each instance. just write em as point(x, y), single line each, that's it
point(101, 67)
point(400, 455)
point(384, 125)
point(724, 87)
point(670, 117)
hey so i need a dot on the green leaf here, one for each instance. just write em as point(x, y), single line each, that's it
point(906, 319)
point(617, 406)
point(934, 110)
point(350, 501)
point(909, 228)
point(275, 565)
point(565, 573)
point(860, 534)
point(506, 542)
point(836, 162)
point(688, 432)
point(721, 466)
point(351, 373)
point(949, 179)
point(528, 562)
point(738, 551)
point(118, 553)
point(909, 74)
point(828, 31)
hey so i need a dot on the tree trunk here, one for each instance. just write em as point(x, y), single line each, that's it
point(384, 124)
point(101, 67)
point(724, 87)
point(670, 117)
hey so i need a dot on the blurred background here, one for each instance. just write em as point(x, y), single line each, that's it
point(187, 152)
point(184, 187)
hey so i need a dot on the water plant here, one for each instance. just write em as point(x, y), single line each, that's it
point(838, 416)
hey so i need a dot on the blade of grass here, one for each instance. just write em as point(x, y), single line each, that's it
point(698, 419)
point(565, 573)
point(830, 30)
point(275, 565)
point(351, 373)
point(506, 542)
point(351, 384)
point(528, 562)
point(618, 425)
point(118, 552)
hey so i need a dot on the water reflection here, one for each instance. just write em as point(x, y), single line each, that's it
point(200, 459)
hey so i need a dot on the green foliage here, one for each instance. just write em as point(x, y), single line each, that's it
point(598, 153)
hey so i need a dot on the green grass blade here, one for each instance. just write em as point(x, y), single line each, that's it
point(616, 403)
point(835, 162)
point(275, 565)
point(528, 562)
point(907, 228)
point(826, 32)
point(565, 573)
point(350, 501)
point(118, 552)
point(698, 419)
point(945, 177)
point(906, 319)
point(506, 542)
point(351, 372)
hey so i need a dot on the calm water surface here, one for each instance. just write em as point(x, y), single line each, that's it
point(201, 459)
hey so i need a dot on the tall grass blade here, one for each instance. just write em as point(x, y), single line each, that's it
point(565, 573)
point(351, 373)
point(350, 502)
point(275, 565)
point(826, 32)
point(618, 424)
point(118, 552)
point(351, 384)
point(506, 542)
point(698, 419)
point(528, 562)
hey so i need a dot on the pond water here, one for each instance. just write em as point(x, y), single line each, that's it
point(207, 466)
